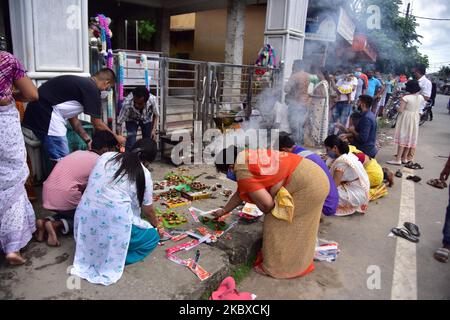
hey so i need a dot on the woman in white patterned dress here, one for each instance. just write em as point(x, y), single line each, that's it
point(109, 230)
point(17, 219)
point(317, 123)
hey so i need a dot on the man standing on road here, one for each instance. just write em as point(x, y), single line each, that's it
point(346, 91)
point(374, 90)
point(433, 98)
point(64, 98)
point(361, 88)
point(360, 75)
point(442, 254)
point(425, 84)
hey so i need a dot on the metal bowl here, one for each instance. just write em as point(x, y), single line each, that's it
point(224, 121)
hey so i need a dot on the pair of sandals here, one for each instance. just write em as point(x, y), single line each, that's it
point(411, 232)
point(437, 183)
point(414, 166)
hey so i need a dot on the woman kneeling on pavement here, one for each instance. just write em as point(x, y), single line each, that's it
point(288, 245)
point(374, 170)
point(349, 176)
point(109, 231)
point(375, 173)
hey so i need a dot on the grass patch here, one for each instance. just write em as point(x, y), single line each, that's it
point(239, 273)
point(382, 123)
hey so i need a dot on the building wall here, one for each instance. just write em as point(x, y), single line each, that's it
point(210, 34)
point(182, 22)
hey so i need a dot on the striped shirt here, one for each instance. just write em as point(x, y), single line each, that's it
point(130, 113)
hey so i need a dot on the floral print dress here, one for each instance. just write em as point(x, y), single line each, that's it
point(17, 219)
point(103, 221)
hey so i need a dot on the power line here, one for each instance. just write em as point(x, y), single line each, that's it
point(434, 19)
point(428, 18)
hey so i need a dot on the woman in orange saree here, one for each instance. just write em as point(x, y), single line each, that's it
point(288, 247)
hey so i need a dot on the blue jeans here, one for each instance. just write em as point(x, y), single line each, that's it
point(132, 128)
point(341, 112)
point(446, 230)
point(66, 217)
point(57, 147)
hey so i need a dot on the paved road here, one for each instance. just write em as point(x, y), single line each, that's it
point(363, 240)
point(366, 249)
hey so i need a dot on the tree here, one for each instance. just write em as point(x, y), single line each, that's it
point(146, 30)
point(396, 40)
point(444, 72)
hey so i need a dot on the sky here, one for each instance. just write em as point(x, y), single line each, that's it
point(435, 34)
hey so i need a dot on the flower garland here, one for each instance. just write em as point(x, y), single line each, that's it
point(106, 35)
point(110, 105)
point(146, 75)
point(122, 59)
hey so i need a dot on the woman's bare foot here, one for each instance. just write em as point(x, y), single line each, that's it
point(52, 239)
point(15, 259)
point(40, 230)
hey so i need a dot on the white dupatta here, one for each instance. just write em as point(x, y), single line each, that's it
point(352, 161)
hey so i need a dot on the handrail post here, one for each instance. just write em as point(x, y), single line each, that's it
point(248, 107)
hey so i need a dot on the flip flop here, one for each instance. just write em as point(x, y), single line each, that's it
point(414, 178)
point(227, 291)
point(437, 183)
point(412, 228)
point(442, 254)
point(403, 233)
point(399, 173)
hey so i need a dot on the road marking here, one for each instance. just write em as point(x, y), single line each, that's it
point(404, 283)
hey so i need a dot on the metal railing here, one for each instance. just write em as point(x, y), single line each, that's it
point(189, 91)
point(235, 87)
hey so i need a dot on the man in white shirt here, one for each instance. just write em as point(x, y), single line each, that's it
point(424, 83)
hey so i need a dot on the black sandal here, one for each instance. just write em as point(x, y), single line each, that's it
point(414, 178)
point(414, 166)
point(412, 228)
point(399, 173)
point(437, 183)
point(403, 233)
